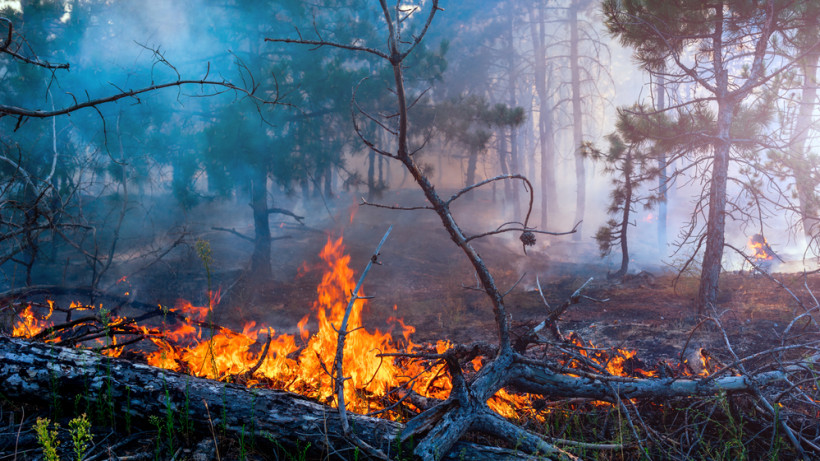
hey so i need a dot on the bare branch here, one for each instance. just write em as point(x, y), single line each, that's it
point(321, 43)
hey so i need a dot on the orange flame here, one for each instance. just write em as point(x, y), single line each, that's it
point(191, 345)
point(761, 248)
point(28, 325)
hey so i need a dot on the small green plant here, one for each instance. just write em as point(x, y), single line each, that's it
point(253, 420)
point(47, 438)
point(186, 425)
point(105, 319)
point(774, 450)
point(243, 452)
point(157, 423)
point(734, 429)
point(300, 453)
point(80, 430)
point(169, 419)
point(203, 250)
point(107, 397)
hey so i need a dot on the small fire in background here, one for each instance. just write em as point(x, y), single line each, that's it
point(763, 252)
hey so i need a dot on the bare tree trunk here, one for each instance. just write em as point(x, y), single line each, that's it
point(328, 181)
point(713, 254)
point(371, 175)
point(662, 176)
point(514, 161)
point(502, 160)
point(472, 163)
point(546, 136)
point(625, 216)
point(577, 118)
point(798, 149)
point(260, 260)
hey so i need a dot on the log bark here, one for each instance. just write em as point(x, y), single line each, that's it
point(33, 373)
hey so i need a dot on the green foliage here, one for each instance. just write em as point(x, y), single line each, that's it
point(632, 160)
point(47, 438)
point(466, 121)
point(170, 431)
point(300, 453)
point(80, 430)
point(157, 423)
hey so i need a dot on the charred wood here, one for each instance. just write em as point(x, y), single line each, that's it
point(33, 372)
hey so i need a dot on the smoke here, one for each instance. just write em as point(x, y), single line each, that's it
point(191, 153)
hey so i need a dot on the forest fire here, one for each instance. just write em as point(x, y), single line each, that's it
point(761, 248)
point(197, 347)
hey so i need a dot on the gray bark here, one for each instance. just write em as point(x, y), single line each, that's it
point(805, 185)
point(577, 118)
point(546, 136)
point(663, 178)
point(33, 372)
point(260, 260)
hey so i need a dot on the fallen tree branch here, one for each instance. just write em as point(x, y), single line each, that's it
point(339, 359)
point(246, 237)
point(32, 372)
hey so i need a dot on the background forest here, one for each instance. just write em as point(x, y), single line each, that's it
point(502, 86)
point(541, 89)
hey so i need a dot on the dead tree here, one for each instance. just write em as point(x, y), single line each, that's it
point(27, 375)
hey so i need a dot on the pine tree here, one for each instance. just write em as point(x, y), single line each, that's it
point(720, 50)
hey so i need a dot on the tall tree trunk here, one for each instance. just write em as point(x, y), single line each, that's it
point(716, 224)
point(577, 132)
point(502, 159)
point(546, 136)
point(328, 181)
point(798, 150)
point(662, 176)
point(381, 172)
point(260, 260)
point(472, 163)
point(514, 161)
point(625, 221)
point(371, 175)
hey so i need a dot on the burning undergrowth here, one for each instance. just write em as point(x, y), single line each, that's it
point(386, 374)
point(396, 378)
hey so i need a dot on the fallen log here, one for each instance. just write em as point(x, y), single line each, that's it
point(36, 373)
